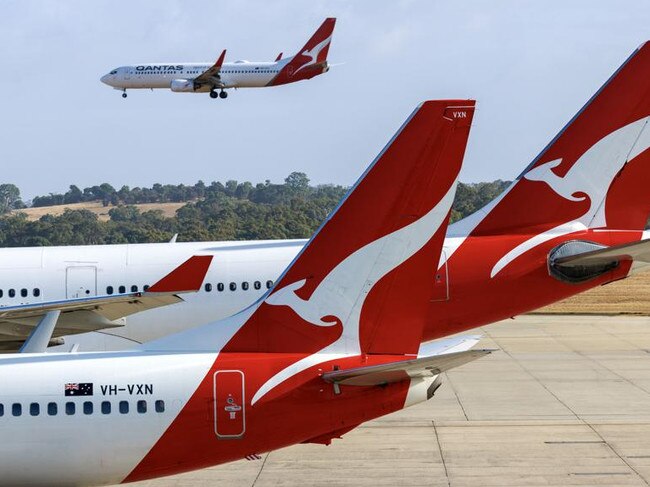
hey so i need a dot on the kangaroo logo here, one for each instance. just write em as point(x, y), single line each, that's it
point(588, 179)
point(340, 296)
point(313, 53)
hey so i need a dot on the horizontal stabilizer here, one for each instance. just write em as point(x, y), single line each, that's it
point(376, 375)
point(637, 252)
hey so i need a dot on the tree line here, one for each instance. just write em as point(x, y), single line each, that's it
point(230, 211)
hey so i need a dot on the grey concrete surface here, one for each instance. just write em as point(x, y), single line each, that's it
point(565, 401)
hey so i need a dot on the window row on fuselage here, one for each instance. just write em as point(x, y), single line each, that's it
point(228, 71)
point(24, 292)
point(208, 287)
point(87, 407)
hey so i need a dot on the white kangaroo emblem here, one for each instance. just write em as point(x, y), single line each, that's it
point(313, 53)
point(589, 178)
point(342, 292)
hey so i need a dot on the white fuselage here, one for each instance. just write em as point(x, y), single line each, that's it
point(239, 274)
point(240, 74)
point(53, 444)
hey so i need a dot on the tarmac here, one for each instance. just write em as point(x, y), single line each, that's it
point(564, 401)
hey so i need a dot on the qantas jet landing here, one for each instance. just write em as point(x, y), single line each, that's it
point(310, 61)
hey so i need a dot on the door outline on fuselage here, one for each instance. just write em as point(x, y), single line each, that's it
point(88, 280)
point(218, 405)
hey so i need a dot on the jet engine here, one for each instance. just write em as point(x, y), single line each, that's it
point(182, 85)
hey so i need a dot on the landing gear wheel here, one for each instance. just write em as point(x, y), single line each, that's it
point(223, 94)
point(123, 95)
point(214, 94)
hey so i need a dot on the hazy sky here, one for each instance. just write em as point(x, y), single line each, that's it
point(530, 65)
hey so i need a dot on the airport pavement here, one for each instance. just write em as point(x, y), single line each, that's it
point(565, 401)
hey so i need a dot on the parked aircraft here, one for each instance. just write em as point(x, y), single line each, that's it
point(555, 232)
point(215, 78)
point(315, 357)
point(36, 279)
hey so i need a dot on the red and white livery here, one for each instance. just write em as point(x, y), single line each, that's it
point(215, 78)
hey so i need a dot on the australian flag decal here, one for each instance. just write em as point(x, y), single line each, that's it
point(78, 389)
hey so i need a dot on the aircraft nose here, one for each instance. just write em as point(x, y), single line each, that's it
point(106, 79)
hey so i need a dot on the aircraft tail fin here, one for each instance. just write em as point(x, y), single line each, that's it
point(593, 174)
point(364, 282)
point(311, 60)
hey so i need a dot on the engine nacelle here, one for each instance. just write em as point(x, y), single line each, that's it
point(182, 85)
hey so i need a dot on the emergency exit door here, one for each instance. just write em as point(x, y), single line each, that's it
point(229, 404)
point(81, 281)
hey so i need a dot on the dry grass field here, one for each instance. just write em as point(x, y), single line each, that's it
point(168, 209)
point(629, 296)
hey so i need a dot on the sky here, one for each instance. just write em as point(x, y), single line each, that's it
point(529, 64)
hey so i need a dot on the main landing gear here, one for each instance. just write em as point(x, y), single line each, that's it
point(124, 94)
point(221, 94)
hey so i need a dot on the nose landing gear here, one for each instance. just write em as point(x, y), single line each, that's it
point(124, 94)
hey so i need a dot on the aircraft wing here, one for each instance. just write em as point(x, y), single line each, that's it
point(211, 75)
point(433, 358)
point(639, 252)
point(92, 313)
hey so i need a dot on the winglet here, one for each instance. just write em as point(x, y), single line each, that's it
point(187, 277)
point(278, 58)
point(219, 62)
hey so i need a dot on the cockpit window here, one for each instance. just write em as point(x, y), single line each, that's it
point(114, 71)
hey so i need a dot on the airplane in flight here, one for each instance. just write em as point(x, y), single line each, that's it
point(312, 359)
point(216, 78)
point(573, 220)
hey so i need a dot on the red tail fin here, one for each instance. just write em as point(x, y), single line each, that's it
point(364, 281)
point(311, 60)
point(594, 173)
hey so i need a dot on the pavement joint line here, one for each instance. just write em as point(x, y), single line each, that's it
point(442, 455)
point(261, 468)
point(453, 389)
point(590, 426)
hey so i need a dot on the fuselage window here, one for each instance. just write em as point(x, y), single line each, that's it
point(24, 293)
point(88, 407)
point(269, 284)
point(134, 289)
point(146, 287)
point(124, 407)
point(220, 287)
point(208, 287)
point(1, 293)
point(52, 409)
point(142, 406)
point(122, 289)
point(34, 409)
point(160, 406)
point(16, 409)
point(106, 407)
point(36, 292)
point(233, 286)
point(109, 290)
point(257, 285)
point(70, 408)
point(12, 293)
point(2, 409)
point(244, 286)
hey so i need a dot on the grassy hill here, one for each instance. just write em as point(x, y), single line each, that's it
point(96, 207)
